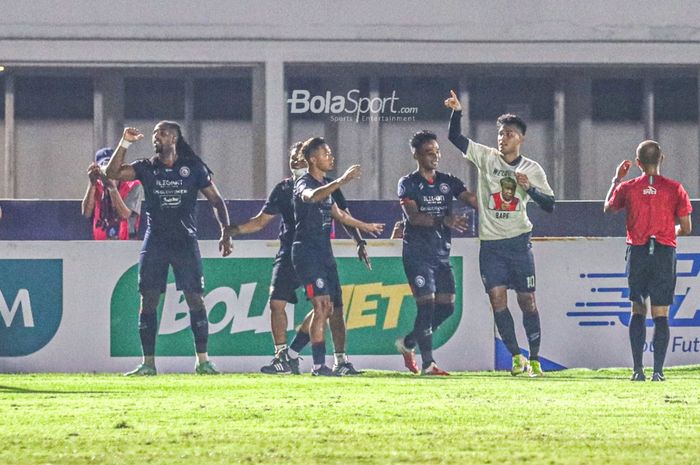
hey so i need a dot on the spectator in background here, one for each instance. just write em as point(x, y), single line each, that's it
point(115, 207)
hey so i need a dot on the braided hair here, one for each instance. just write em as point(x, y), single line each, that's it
point(182, 147)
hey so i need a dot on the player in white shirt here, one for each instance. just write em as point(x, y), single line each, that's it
point(505, 256)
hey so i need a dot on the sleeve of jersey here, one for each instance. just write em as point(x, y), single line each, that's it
point(457, 186)
point(299, 187)
point(271, 205)
point(138, 166)
point(683, 207)
point(203, 176)
point(403, 190)
point(479, 154)
point(455, 132)
point(339, 199)
point(617, 198)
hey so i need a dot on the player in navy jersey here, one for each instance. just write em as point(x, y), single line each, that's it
point(426, 198)
point(312, 254)
point(653, 203)
point(284, 281)
point(171, 181)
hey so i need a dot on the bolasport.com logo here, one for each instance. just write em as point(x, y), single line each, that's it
point(351, 107)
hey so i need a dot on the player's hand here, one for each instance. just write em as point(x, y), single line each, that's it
point(364, 256)
point(622, 169)
point(397, 232)
point(351, 173)
point(225, 245)
point(132, 135)
point(373, 229)
point(93, 173)
point(456, 222)
point(522, 180)
point(453, 102)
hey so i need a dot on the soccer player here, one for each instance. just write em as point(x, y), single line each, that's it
point(505, 255)
point(426, 198)
point(312, 253)
point(653, 204)
point(171, 181)
point(284, 280)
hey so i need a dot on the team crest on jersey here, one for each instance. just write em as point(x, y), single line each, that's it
point(320, 283)
point(420, 281)
point(444, 188)
point(184, 171)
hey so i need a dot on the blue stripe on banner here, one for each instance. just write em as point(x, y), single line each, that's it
point(503, 358)
point(594, 323)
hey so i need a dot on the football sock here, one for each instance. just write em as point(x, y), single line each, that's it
point(318, 351)
point(442, 313)
point(661, 337)
point(148, 327)
point(340, 358)
point(506, 329)
point(279, 348)
point(200, 329)
point(298, 344)
point(531, 322)
point(638, 334)
point(422, 330)
point(409, 340)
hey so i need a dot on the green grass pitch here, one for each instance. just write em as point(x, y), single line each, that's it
point(569, 417)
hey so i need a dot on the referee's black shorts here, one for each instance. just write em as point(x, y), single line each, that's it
point(651, 272)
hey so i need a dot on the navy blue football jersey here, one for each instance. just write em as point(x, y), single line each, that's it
point(171, 193)
point(434, 199)
point(313, 220)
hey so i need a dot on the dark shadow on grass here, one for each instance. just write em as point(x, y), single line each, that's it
point(19, 390)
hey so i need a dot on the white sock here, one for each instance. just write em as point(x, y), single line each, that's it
point(279, 348)
point(292, 353)
point(340, 358)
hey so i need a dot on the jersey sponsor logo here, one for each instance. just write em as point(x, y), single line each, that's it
point(444, 188)
point(170, 201)
point(419, 280)
point(649, 190)
point(31, 304)
point(184, 171)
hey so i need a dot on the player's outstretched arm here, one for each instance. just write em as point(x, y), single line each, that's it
point(116, 168)
point(221, 213)
point(620, 172)
point(373, 229)
point(251, 226)
point(455, 128)
point(322, 193)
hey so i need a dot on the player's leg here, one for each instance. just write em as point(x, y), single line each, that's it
point(661, 297)
point(521, 266)
point(444, 295)
point(531, 322)
point(323, 307)
point(637, 279)
point(189, 278)
point(153, 274)
point(301, 338)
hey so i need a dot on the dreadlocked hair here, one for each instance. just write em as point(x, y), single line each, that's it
point(183, 148)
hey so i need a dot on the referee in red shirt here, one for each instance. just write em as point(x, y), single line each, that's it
point(653, 204)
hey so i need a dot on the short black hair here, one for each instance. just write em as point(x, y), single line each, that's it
point(649, 153)
point(510, 119)
point(310, 146)
point(420, 138)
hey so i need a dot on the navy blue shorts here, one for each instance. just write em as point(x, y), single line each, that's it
point(182, 254)
point(651, 275)
point(509, 263)
point(428, 275)
point(284, 282)
point(318, 273)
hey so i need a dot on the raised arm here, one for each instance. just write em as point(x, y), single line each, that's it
point(620, 172)
point(221, 213)
point(455, 129)
point(87, 206)
point(322, 193)
point(117, 169)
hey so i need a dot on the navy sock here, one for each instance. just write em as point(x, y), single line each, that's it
point(422, 331)
point(318, 350)
point(442, 313)
point(200, 330)
point(638, 334)
point(148, 328)
point(506, 329)
point(300, 341)
point(531, 322)
point(661, 337)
